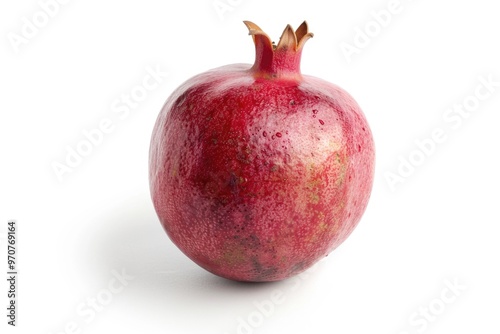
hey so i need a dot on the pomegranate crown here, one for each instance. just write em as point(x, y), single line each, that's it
point(282, 60)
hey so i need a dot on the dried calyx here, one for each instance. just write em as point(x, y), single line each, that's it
point(281, 60)
point(289, 38)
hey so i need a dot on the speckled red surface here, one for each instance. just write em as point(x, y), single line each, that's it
point(257, 178)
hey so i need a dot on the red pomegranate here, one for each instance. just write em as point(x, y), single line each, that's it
point(257, 172)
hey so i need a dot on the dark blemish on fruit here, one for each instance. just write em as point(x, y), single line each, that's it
point(262, 273)
point(233, 182)
point(256, 264)
point(298, 267)
point(252, 241)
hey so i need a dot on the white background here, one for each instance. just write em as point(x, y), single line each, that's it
point(440, 225)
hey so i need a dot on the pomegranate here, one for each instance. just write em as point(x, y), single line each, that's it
point(257, 172)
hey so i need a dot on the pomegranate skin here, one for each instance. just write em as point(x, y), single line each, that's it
point(256, 177)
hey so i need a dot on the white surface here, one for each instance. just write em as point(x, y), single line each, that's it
point(441, 225)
